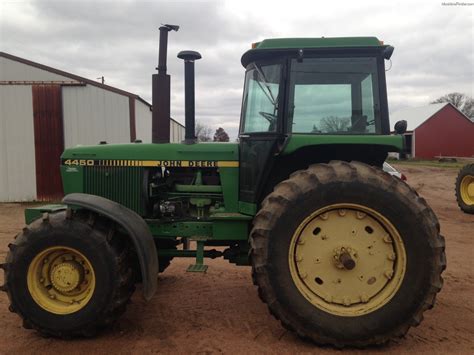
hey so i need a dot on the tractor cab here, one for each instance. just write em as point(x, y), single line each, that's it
point(316, 90)
point(319, 87)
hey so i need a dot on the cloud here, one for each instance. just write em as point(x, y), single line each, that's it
point(119, 40)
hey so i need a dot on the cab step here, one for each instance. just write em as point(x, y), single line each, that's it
point(199, 265)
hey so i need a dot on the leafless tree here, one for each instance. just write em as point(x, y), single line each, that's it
point(203, 132)
point(334, 124)
point(221, 135)
point(462, 102)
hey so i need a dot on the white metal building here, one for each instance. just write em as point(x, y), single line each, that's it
point(44, 110)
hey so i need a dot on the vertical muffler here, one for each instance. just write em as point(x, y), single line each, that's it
point(161, 95)
point(189, 58)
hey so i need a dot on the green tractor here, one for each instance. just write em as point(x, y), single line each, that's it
point(341, 252)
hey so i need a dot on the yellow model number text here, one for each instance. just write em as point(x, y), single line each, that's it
point(81, 162)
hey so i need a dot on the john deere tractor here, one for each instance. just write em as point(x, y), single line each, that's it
point(341, 252)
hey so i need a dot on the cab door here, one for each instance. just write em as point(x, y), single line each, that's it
point(260, 127)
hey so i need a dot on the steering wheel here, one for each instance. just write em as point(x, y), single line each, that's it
point(271, 118)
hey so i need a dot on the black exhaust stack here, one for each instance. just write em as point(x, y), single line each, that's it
point(190, 130)
point(160, 124)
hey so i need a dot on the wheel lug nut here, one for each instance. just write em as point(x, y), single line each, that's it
point(342, 213)
point(387, 239)
point(388, 274)
point(391, 256)
point(360, 215)
point(52, 296)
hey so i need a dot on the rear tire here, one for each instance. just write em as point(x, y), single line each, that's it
point(465, 189)
point(38, 273)
point(386, 201)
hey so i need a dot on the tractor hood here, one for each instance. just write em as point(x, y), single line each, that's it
point(139, 154)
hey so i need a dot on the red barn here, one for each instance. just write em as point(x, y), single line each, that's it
point(437, 130)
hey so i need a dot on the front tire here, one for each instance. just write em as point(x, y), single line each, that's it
point(345, 254)
point(69, 276)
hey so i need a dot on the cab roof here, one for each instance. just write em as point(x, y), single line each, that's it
point(278, 46)
point(321, 42)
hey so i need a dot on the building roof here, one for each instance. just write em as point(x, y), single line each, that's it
point(416, 116)
point(77, 78)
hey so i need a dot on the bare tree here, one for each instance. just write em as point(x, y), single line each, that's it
point(221, 135)
point(462, 102)
point(334, 124)
point(203, 132)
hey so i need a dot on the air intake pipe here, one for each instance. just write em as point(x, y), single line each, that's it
point(189, 58)
point(160, 124)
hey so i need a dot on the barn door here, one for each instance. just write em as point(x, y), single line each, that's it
point(49, 140)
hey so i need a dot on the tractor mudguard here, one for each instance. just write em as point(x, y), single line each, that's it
point(137, 230)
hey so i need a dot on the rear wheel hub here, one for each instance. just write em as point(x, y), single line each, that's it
point(347, 259)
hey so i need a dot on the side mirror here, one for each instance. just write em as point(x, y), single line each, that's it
point(400, 127)
point(387, 52)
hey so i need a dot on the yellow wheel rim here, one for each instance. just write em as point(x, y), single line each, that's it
point(467, 190)
point(347, 259)
point(61, 280)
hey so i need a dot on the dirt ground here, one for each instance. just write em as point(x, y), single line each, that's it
point(221, 312)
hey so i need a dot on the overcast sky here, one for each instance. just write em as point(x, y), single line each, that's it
point(434, 43)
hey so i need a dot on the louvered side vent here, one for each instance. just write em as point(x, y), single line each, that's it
point(119, 184)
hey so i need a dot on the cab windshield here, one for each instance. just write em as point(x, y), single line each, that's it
point(325, 96)
point(261, 98)
point(334, 96)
